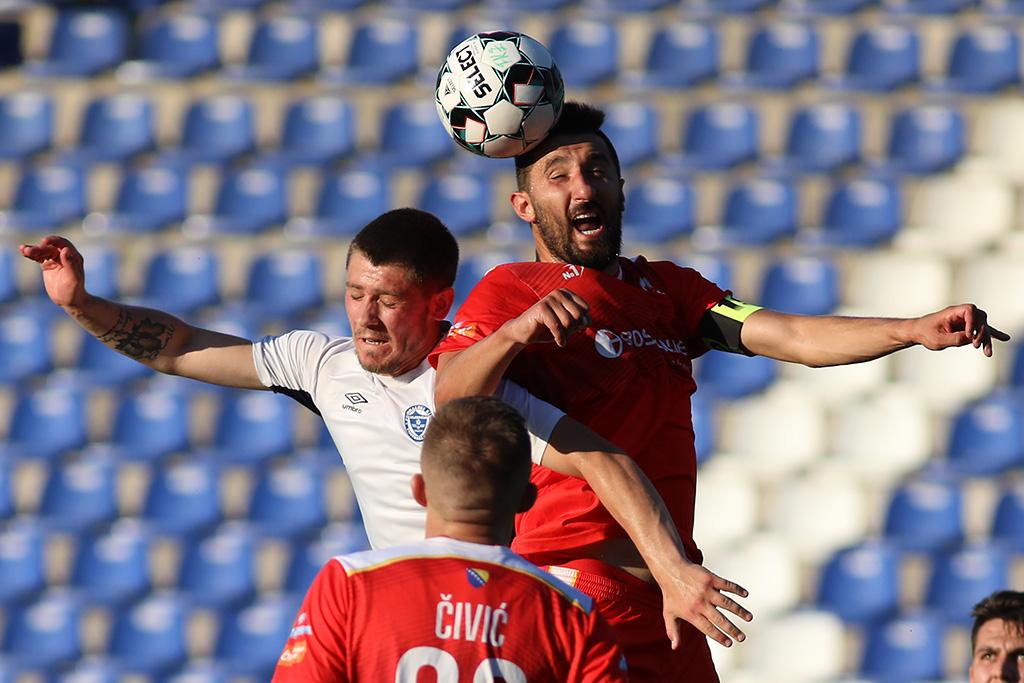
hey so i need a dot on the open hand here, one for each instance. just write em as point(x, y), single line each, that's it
point(698, 596)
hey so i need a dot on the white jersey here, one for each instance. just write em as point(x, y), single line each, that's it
point(377, 422)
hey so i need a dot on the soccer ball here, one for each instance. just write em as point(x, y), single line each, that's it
point(498, 94)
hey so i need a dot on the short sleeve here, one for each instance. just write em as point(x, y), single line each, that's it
point(315, 649)
point(602, 659)
point(291, 360)
point(691, 293)
point(541, 417)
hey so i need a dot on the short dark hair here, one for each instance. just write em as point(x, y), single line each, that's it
point(476, 456)
point(1005, 605)
point(577, 118)
point(412, 238)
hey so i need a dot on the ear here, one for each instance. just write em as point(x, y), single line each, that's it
point(523, 207)
point(419, 490)
point(622, 192)
point(441, 303)
point(529, 497)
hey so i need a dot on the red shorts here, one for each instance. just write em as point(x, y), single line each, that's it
point(633, 607)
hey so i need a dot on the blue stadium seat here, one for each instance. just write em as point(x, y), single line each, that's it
point(46, 423)
point(84, 42)
point(1007, 527)
point(781, 55)
point(1017, 370)
point(760, 211)
point(430, 5)
point(345, 203)
point(823, 138)
point(988, 435)
point(587, 52)
point(727, 6)
point(90, 669)
point(22, 575)
point(728, 375)
point(803, 285)
point(883, 57)
point(927, 6)
point(179, 45)
point(250, 640)
point(103, 263)
point(825, 7)
point(905, 649)
point(925, 514)
point(659, 209)
point(530, 5)
point(713, 266)
point(252, 427)
point(329, 320)
point(99, 365)
point(862, 212)
point(462, 202)
point(284, 283)
point(249, 201)
point(473, 267)
point(45, 634)
point(632, 127)
point(148, 200)
point(47, 197)
point(383, 51)
point(26, 124)
point(926, 139)
point(149, 638)
point(860, 584)
point(217, 129)
point(219, 571)
point(6, 492)
point(703, 415)
point(8, 279)
point(721, 135)
point(308, 558)
point(411, 137)
point(283, 47)
point(116, 127)
point(79, 496)
point(24, 346)
point(112, 569)
point(681, 55)
point(317, 130)
point(984, 59)
point(182, 280)
point(183, 499)
point(288, 502)
point(151, 425)
point(962, 577)
point(1004, 7)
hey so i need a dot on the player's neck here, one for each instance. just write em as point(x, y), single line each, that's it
point(542, 255)
point(483, 534)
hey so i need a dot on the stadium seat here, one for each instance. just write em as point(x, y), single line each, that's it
point(252, 427)
point(586, 51)
point(681, 55)
point(730, 376)
point(929, 375)
point(727, 505)
point(249, 641)
point(1003, 7)
point(284, 283)
point(473, 268)
point(825, 7)
point(307, 559)
point(182, 280)
point(99, 365)
point(249, 201)
point(8, 279)
point(883, 57)
point(283, 47)
point(765, 565)
point(317, 130)
point(381, 52)
point(206, 671)
point(927, 6)
point(345, 203)
point(823, 138)
point(216, 130)
point(988, 435)
point(462, 202)
point(26, 124)
point(633, 129)
point(148, 200)
point(46, 423)
point(330, 320)
point(804, 285)
point(713, 266)
point(977, 280)
point(529, 5)
point(179, 45)
point(79, 496)
point(288, 502)
point(151, 425)
point(103, 262)
point(925, 514)
point(430, 5)
point(923, 283)
point(904, 649)
point(759, 211)
point(861, 584)
point(149, 638)
point(780, 55)
point(24, 346)
point(659, 209)
point(806, 645)
point(840, 515)
point(85, 41)
point(1007, 526)
point(112, 569)
point(6, 492)
point(944, 205)
point(219, 571)
point(963, 577)
point(926, 138)
point(726, 6)
point(983, 59)
point(861, 212)
point(115, 128)
point(720, 135)
point(47, 198)
point(45, 634)
point(183, 499)
point(411, 137)
point(90, 669)
point(22, 575)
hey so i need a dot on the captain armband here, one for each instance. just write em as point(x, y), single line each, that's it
point(720, 326)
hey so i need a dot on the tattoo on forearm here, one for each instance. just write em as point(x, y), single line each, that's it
point(140, 339)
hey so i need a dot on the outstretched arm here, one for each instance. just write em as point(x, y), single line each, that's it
point(820, 341)
point(154, 338)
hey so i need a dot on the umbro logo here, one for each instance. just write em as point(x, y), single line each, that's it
point(355, 398)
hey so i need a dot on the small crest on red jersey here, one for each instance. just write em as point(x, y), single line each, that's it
point(464, 329)
point(477, 577)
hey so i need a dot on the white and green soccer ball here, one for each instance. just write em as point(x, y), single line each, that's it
point(499, 94)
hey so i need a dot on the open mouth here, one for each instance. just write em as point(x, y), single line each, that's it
point(589, 224)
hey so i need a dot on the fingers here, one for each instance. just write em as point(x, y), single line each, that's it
point(564, 313)
point(48, 249)
point(674, 630)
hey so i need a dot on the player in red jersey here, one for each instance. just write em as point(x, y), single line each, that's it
point(460, 603)
point(627, 375)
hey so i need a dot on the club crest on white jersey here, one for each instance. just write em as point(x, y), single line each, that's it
point(416, 419)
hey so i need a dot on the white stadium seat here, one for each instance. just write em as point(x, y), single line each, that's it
point(801, 647)
point(999, 136)
point(767, 566)
point(947, 379)
point(994, 284)
point(898, 285)
point(840, 384)
point(727, 503)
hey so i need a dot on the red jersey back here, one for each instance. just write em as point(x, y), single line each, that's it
point(448, 611)
point(628, 377)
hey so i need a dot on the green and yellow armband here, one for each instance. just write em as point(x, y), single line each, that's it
point(721, 324)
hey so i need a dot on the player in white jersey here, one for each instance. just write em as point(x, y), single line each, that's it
point(401, 267)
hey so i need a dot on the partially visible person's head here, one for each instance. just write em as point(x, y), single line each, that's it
point(570, 191)
point(398, 288)
point(997, 638)
point(475, 464)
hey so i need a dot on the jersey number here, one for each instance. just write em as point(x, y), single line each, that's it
point(447, 669)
